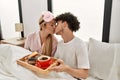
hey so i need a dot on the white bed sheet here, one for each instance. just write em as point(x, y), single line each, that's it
point(9, 70)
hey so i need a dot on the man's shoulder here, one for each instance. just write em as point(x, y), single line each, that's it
point(79, 42)
point(60, 42)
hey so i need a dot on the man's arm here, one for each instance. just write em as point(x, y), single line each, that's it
point(77, 73)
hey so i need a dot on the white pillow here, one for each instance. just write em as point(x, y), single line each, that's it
point(101, 56)
point(117, 62)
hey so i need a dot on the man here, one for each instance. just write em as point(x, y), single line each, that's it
point(71, 51)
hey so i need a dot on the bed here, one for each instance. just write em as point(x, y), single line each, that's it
point(10, 70)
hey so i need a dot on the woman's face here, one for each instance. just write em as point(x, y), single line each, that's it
point(50, 27)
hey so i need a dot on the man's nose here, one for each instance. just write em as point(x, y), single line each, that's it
point(54, 26)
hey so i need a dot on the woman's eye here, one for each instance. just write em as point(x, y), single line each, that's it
point(52, 25)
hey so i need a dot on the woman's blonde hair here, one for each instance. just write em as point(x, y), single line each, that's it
point(41, 22)
point(47, 49)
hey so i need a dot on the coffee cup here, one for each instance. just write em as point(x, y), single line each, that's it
point(43, 61)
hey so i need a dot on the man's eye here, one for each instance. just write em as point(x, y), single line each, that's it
point(56, 24)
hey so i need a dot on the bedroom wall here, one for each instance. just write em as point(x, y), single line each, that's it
point(0, 32)
point(115, 22)
point(31, 11)
point(9, 15)
point(90, 18)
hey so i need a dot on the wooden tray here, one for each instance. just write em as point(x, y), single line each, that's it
point(33, 68)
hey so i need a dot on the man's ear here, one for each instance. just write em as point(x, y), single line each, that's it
point(65, 24)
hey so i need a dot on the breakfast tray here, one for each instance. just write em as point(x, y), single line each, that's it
point(23, 62)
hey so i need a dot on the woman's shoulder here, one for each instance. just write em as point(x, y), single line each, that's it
point(33, 34)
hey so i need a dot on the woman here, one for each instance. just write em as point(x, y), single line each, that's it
point(43, 41)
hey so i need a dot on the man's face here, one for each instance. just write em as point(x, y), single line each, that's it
point(59, 27)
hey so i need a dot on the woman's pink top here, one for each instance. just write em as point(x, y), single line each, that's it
point(33, 43)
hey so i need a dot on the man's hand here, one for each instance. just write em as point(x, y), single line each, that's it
point(61, 67)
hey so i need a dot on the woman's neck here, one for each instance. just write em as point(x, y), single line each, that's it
point(43, 36)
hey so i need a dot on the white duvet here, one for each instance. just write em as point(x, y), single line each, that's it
point(9, 70)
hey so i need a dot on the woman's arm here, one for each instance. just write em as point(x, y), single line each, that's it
point(27, 42)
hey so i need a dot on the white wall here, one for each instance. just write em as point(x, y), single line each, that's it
point(115, 22)
point(31, 11)
point(89, 12)
point(9, 15)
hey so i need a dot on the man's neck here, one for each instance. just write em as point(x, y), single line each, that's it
point(68, 36)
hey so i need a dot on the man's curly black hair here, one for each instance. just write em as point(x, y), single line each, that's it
point(72, 21)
